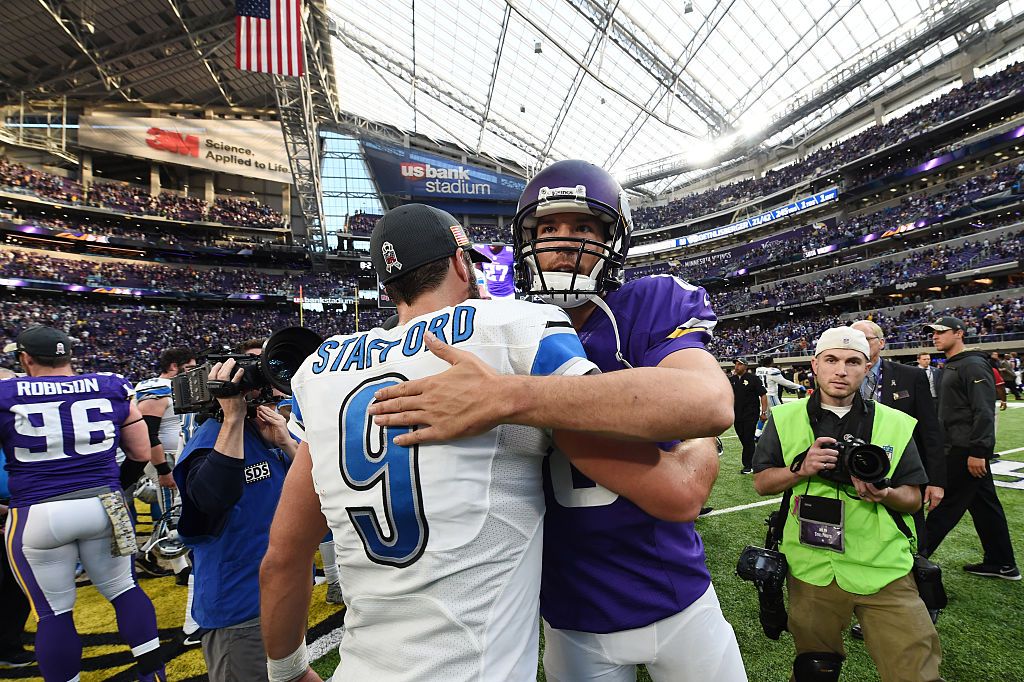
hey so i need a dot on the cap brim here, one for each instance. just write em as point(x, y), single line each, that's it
point(476, 256)
point(937, 327)
point(11, 347)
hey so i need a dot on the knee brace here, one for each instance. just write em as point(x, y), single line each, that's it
point(817, 666)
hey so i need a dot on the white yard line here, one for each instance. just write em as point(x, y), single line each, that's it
point(326, 643)
point(727, 510)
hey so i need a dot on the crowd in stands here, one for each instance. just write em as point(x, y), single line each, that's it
point(964, 99)
point(165, 235)
point(128, 339)
point(243, 212)
point(490, 234)
point(361, 223)
point(956, 197)
point(991, 321)
point(134, 200)
point(901, 269)
point(134, 274)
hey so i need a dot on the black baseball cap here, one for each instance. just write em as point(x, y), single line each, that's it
point(410, 236)
point(944, 324)
point(42, 342)
point(742, 361)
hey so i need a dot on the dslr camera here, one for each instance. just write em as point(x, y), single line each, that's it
point(766, 567)
point(283, 354)
point(866, 461)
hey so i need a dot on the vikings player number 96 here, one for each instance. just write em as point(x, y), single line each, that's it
point(369, 458)
point(63, 429)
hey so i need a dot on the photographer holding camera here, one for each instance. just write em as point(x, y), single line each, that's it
point(230, 476)
point(851, 475)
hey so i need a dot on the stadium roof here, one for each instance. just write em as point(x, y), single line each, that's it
point(129, 51)
point(625, 82)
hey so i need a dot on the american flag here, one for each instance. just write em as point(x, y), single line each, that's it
point(269, 36)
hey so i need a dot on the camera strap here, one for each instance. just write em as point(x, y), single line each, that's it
point(902, 525)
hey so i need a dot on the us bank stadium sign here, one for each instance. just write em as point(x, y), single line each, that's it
point(408, 172)
point(252, 149)
point(798, 206)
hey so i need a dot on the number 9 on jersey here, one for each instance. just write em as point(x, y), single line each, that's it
point(369, 458)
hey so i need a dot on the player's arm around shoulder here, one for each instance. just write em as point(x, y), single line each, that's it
point(285, 584)
point(671, 485)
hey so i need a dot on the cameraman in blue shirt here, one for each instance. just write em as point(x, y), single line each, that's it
point(230, 475)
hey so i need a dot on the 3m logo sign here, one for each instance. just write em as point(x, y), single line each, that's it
point(170, 141)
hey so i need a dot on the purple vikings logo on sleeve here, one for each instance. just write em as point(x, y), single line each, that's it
point(390, 257)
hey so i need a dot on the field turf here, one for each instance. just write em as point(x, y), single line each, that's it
point(981, 631)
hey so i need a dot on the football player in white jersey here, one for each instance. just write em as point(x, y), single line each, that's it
point(154, 400)
point(771, 377)
point(438, 546)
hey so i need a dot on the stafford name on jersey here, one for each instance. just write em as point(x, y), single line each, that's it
point(355, 353)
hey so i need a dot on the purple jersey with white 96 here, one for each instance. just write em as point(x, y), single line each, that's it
point(60, 433)
point(499, 273)
point(608, 565)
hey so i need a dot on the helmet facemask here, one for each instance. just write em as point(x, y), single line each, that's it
point(571, 289)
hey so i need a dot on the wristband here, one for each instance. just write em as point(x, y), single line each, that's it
point(163, 468)
point(291, 666)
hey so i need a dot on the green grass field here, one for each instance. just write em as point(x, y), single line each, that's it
point(981, 631)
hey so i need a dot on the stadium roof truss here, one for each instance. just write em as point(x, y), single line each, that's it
point(624, 82)
point(157, 52)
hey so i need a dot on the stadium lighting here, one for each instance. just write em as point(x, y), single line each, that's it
point(754, 123)
point(703, 152)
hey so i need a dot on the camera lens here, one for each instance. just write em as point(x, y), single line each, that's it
point(869, 463)
point(284, 352)
point(284, 367)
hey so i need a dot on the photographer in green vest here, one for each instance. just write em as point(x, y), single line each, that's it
point(851, 475)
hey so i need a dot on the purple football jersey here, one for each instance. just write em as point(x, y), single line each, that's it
point(60, 434)
point(608, 565)
point(498, 272)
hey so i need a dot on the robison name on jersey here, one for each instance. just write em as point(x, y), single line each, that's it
point(439, 546)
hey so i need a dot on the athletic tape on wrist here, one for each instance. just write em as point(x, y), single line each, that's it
point(291, 666)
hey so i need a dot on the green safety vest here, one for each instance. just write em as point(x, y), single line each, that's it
point(877, 552)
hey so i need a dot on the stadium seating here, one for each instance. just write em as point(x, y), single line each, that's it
point(956, 197)
point(128, 338)
point(995, 321)
point(955, 103)
point(906, 267)
point(36, 265)
point(136, 200)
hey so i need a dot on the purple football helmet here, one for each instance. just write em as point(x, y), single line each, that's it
point(572, 187)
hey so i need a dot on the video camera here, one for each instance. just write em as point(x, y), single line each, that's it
point(861, 459)
point(283, 353)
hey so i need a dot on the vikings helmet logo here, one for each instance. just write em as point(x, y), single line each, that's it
point(390, 257)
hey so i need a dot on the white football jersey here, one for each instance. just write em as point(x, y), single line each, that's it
point(438, 546)
point(170, 422)
point(771, 378)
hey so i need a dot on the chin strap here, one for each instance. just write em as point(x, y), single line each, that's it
point(599, 302)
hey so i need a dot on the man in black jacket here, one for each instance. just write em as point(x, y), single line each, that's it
point(905, 388)
point(967, 399)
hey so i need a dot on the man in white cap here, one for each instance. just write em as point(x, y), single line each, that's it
point(848, 542)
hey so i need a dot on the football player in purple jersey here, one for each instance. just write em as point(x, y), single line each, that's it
point(620, 587)
point(498, 273)
point(60, 432)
